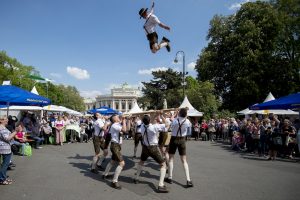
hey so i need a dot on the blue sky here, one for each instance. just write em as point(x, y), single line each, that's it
point(98, 44)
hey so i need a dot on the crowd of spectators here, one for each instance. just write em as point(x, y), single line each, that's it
point(269, 136)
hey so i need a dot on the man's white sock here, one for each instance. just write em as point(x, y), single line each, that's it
point(171, 166)
point(101, 159)
point(95, 159)
point(162, 176)
point(186, 170)
point(117, 174)
point(138, 171)
point(163, 44)
point(107, 169)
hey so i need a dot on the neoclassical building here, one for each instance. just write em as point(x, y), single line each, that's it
point(121, 99)
point(89, 103)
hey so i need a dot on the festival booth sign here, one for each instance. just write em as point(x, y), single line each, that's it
point(192, 112)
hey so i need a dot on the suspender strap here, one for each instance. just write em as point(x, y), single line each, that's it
point(179, 127)
point(146, 23)
point(146, 134)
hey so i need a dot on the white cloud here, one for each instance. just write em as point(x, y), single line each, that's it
point(56, 75)
point(149, 71)
point(237, 5)
point(90, 94)
point(78, 73)
point(191, 66)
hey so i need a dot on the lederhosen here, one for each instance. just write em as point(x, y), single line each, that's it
point(152, 37)
point(162, 138)
point(97, 142)
point(150, 150)
point(115, 149)
point(178, 141)
point(137, 136)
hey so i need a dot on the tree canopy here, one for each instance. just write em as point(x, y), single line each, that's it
point(18, 74)
point(168, 85)
point(252, 53)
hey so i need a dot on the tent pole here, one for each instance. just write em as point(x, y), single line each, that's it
point(7, 111)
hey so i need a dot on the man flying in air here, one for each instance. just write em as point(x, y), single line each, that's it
point(151, 22)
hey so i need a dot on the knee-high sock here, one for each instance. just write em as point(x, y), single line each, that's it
point(107, 169)
point(163, 44)
point(117, 174)
point(95, 160)
point(101, 159)
point(186, 170)
point(171, 166)
point(134, 151)
point(162, 176)
point(138, 171)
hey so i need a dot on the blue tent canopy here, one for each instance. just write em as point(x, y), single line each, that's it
point(287, 102)
point(12, 95)
point(104, 110)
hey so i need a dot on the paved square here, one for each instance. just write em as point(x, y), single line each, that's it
point(55, 173)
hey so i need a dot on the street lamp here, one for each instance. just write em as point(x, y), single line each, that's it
point(183, 63)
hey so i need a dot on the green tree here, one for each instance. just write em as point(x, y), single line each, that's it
point(164, 85)
point(243, 57)
point(18, 74)
point(201, 96)
point(167, 85)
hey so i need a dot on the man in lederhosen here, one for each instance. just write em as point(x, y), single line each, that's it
point(151, 22)
point(116, 131)
point(150, 134)
point(180, 129)
point(137, 134)
point(98, 141)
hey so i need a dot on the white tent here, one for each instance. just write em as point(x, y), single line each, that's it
point(72, 112)
point(192, 112)
point(54, 108)
point(34, 91)
point(246, 111)
point(135, 109)
point(270, 97)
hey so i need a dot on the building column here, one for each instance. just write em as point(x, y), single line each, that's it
point(126, 106)
point(113, 104)
point(120, 105)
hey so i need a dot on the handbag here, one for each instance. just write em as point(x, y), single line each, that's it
point(51, 140)
point(27, 150)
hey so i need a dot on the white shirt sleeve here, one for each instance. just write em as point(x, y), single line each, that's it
point(155, 19)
